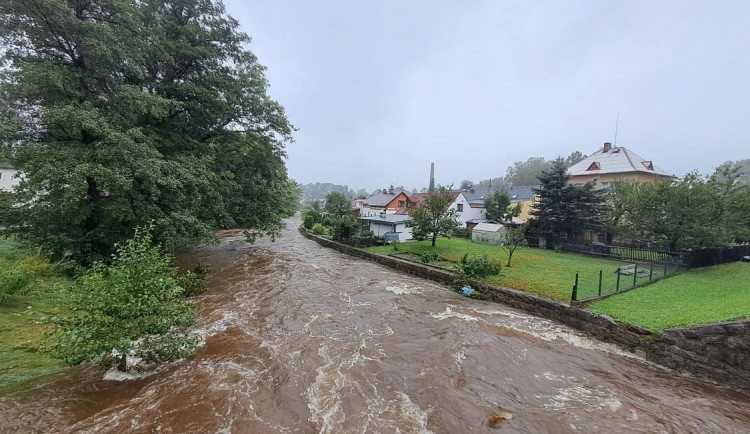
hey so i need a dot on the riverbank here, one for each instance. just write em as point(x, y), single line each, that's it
point(24, 350)
point(716, 352)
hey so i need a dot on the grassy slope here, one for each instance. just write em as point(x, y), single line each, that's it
point(23, 353)
point(699, 296)
point(541, 272)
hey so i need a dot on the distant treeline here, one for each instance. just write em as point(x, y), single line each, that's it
point(319, 190)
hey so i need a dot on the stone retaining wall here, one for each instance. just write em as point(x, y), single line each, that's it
point(717, 352)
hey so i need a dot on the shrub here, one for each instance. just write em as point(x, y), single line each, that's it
point(311, 213)
point(133, 306)
point(194, 281)
point(308, 222)
point(395, 244)
point(319, 229)
point(12, 282)
point(478, 267)
point(430, 256)
point(462, 233)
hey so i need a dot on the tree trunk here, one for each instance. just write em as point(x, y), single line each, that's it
point(123, 365)
point(433, 240)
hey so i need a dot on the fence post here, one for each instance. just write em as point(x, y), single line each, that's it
point(665, 269)
point(617, 288)
point(651, 272)
point(600, 283)
point(574, 296)
point(635, 274)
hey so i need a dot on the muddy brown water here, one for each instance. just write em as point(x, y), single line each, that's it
point(302, 339)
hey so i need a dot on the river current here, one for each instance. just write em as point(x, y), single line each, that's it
point(302, 339)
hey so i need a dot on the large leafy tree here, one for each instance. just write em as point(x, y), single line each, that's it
point(125, 112)
point(432, 217)
point(338, 204)
point(691, 212)
point(564, 210)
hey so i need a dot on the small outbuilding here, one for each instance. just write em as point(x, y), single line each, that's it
point(393, 225)
point(488, 233)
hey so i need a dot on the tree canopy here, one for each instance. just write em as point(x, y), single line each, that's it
point(564, 210)
point(432, 217)
point(497, 205)
point(338, 204)
point(123, 112)
point(691, 212)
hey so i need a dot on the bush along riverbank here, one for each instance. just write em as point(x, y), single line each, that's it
point(686, 350)
point(128, 313)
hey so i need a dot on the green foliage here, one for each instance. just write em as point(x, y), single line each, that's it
point(308, 221)
point(462, 232)
point(319, 229)
point(338, 204)
point(345, 228)
point(15, 279)
point(122, 113)
point(432, 218)
point(395, 244)
point(316, 217)
point(691, 212)
point(564, 210)
point(478, 267)
point(497, 205)
point(429, 256)
point(133, 306)
point(194, 281)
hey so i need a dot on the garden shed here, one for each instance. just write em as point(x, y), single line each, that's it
point(488, 233)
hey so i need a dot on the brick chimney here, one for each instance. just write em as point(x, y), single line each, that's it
point(607, 147)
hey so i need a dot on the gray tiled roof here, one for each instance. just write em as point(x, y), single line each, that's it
point(615, 160)
point(521, 193)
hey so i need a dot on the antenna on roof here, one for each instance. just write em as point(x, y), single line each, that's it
point(617, 123)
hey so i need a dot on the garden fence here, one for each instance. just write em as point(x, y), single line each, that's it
point(593, 286)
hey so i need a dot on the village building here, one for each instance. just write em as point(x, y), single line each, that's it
point(615, 163)
point(384, 225)
point(390, 202)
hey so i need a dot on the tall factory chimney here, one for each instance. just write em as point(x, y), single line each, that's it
point(432, 178)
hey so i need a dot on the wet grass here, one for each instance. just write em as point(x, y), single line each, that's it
point(699, 296)
point(541, 272)
point(24, 349)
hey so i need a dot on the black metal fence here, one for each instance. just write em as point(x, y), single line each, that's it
point(715, 256)
point(628, 254)
point(593, 286)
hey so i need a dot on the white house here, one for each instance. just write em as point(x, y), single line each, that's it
point(8, 178)
point(389, 223)
point(465, 211)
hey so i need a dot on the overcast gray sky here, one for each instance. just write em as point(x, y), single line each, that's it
point(379, 89)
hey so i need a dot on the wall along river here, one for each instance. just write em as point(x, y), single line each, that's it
point(303, 339)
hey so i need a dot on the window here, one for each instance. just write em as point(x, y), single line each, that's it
point(460, 207)
point(606, 185)
point(401, 203)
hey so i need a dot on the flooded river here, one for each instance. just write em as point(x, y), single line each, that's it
point(302, 339)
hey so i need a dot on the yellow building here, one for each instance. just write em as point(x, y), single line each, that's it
point(614, 163)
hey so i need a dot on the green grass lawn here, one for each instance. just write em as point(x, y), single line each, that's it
point(23, 346)
point(541, 272)
point(699, 296)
